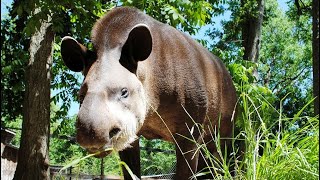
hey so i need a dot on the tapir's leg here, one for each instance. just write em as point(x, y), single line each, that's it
point(187, 156)
point(131, 156)
point(204, 162)
point(203, 165)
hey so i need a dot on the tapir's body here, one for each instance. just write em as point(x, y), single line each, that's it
point(148, 72)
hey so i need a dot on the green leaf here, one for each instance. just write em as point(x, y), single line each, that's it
point(76, 161)
point(174, 16)
point(7, 69)
point(128, 169)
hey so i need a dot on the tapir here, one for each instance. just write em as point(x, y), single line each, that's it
point(147, 78)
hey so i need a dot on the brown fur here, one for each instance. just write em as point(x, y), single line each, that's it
point(178, 73)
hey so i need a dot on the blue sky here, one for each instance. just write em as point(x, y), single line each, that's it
point(200, 35)
point(4, 4)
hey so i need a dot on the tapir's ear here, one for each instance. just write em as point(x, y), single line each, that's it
point(75, 56)
point(140, 42)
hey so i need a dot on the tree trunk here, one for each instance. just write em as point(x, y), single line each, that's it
point(251, 31)
point(315, 53)
point(33, 160)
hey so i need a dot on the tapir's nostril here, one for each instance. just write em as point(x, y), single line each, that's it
point(114, 131)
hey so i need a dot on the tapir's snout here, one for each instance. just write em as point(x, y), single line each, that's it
point(96, 126)
point(92, 139)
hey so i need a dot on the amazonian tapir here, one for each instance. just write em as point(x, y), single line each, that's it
point(147, 78)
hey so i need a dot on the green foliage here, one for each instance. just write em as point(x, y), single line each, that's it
point(286, 60)
point(15, 126)
point(288, 153)
point(13, 60)
point(78, 12)
point(64, 86)
point(284, 65)
point(293, 156)
point(153, 162)
point(285, 154)
point(186, 15)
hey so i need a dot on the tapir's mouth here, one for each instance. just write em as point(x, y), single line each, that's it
point(100, 153)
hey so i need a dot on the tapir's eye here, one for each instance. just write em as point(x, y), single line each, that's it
point(124, 93)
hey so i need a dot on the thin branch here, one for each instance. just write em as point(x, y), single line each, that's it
point(287, 79)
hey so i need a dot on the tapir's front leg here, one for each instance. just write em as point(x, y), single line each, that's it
point(187, 160)
point(131, 156)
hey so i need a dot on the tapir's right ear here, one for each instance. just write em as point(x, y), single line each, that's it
point(75, 55)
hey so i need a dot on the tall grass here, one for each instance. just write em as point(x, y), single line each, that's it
point(278, 150)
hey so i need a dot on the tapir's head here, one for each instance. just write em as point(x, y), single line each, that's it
point(113, 101)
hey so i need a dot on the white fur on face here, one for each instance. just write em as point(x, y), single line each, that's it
point(129, 125)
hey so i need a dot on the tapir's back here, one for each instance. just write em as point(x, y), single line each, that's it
point(181, 72)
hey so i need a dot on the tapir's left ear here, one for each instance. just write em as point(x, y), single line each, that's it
point(139, 42)
point(75, 55)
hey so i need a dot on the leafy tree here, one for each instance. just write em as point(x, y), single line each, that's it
point(33, 162)
point(242, 33)
point(300, 10)
point(284, 64)
point(286, 60)
point(188, 15)
point(14, 57)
